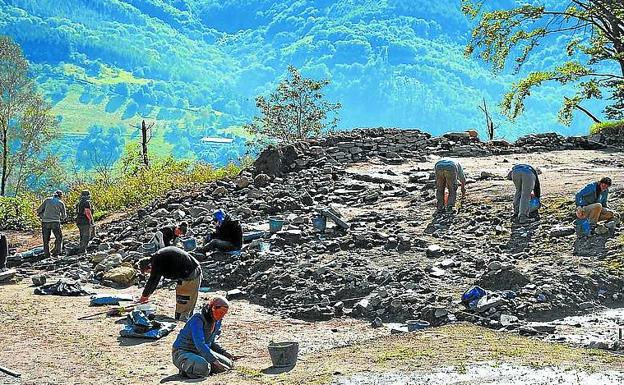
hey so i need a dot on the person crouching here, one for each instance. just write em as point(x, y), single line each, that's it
point(196, 352)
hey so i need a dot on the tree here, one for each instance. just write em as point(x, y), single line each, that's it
point(26, 124)
point(296, 110)
point(29, 157)
point(594, 31)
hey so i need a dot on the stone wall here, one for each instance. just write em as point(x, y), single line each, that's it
point(393, 146)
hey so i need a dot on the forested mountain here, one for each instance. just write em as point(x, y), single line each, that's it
point(195, 67)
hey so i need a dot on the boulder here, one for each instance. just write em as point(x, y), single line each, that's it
point(511, 279)
point(262, 180)
point(122, 276)
point(108, 263)
point(242, 182)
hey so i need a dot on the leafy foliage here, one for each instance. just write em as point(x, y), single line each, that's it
point(195, 67)
point(609, 128)
point(594, 30)
point(26, 124)
point(296, 110)
point(131, 184)
point(18, 213)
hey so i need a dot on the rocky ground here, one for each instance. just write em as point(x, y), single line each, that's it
point(394, 260)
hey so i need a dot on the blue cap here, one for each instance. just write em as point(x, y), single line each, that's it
point(219, 215)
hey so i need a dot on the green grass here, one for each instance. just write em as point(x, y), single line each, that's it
point(403, 353)
point(559, 208)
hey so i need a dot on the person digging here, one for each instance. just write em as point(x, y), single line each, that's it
point(169, 235)
point(196, 352)
point(526, 181)
point(447, 173)
point(228, 234)
point(591, 203)
point(173, 263)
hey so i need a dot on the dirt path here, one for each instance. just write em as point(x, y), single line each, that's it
point(42, 338)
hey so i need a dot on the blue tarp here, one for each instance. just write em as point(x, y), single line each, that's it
point(109, 299)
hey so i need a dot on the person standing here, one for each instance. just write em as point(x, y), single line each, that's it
point(4, 251)
point(526, 181)
point(52, 211)
point(173, 263)
point(447, 173)
point(84, 220)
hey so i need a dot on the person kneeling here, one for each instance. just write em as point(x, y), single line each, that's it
point(196, 352)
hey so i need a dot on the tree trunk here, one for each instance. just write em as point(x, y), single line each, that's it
point(595, 119)
point(5, 159)
point(144, 143)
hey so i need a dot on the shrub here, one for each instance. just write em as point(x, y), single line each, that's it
point(143, 185)
point(18, 213)
point(612, 128)
point(128, 190)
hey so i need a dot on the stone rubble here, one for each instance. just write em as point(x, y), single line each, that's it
point(385, 265)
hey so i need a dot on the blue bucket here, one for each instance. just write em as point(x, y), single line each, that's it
point(275, 224)
point(319, 222)
point(148, 248)
point(189, 244)
point(534, 204)
point(583, 227)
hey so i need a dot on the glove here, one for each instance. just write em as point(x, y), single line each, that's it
point(143, 299)
point(580, 213)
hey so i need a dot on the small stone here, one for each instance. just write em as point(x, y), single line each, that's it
point(508, 320)
point(234, 294)
point(601, 229)
point(219, 192)
point(562, 231)
point(242, 182)
point(339, 308)
point(39, 280)
point(447, 263)
point(434, 251)
point(377, 323)
point(494, 266)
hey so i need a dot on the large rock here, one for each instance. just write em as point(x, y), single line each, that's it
point(511, 279)
point(262, 180)
point(277, 160)
point(122, 276)
point(108, 263)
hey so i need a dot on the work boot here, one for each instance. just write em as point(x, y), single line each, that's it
point(523, 220)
